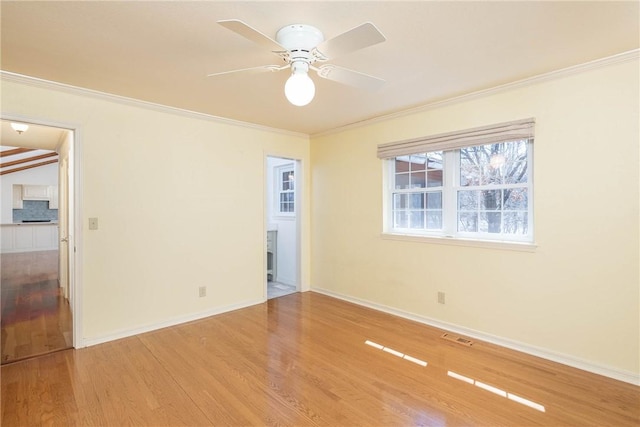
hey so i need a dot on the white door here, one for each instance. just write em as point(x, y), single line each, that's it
point(63, 224)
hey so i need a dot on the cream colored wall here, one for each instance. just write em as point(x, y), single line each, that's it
point(180, 204)
point(577, 295)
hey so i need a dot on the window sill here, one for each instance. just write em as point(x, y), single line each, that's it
point(490, 244)
point(284, 217)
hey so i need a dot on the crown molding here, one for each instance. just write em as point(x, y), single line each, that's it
point(552, 75)
point(75, 90)
point(529, 81)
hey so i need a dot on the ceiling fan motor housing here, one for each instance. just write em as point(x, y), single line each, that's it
point(299, 40)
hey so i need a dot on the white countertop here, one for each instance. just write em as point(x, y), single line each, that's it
point(30, 223)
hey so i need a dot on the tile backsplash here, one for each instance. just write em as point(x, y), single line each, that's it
point(35, 209)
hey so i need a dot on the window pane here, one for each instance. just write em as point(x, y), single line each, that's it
point(417, 219)
point(434, 200)
point(418, 162)
point(434, 178)
point(402, 181)
point(491, 199)
point(400, 201)
point(467, 200)
point(470, 171)
point(402, 164)
point(515, 199)
point(468, 221)
point(418, 180)
point(516, 173)
point(401, 220)
point(417, 201)
point(490, 222)
point(515, 223)
point(515, 162)
point(434, 160)
point(434, 220)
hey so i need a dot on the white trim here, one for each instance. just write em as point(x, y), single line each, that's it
point(75, 90)
point(529, 81)
point(124, 333)
point(616, 374)
point(455, 241)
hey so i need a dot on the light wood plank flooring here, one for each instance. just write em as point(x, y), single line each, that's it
point(302, 359)
point(35, 317)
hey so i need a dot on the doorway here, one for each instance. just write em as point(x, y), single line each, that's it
point(37, 260)
point(282, 224)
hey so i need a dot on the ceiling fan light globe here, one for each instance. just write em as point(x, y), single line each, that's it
point(299, 89)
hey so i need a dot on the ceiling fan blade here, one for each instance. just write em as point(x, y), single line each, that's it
point(357, 38)
point(252, 34)
point(349, 77)
point(252, 70)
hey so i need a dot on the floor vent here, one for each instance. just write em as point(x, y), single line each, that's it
point(457, 339)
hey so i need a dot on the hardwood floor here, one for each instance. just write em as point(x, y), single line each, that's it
point(303, 359)
point(35, 317)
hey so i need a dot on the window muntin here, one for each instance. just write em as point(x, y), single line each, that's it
point(477, 192)
point(286, 190)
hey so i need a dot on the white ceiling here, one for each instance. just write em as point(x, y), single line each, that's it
point(37, 137)
point(161, 51)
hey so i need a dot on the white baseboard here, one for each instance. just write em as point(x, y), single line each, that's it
point(616, 374)
point(124, 333)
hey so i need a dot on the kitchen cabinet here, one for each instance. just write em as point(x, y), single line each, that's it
point(28, 238)
point(35, 192)
point(17, 196)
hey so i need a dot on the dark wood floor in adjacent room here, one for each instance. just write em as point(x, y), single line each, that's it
point(303, 360)
point(35, 317)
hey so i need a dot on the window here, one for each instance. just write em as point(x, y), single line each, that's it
point(476, 191)
point(286, 190)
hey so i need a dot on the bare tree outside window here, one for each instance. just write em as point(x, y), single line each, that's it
point(494, 197)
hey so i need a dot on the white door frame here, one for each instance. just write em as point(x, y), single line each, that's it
point(269, 186)
point(74, 209)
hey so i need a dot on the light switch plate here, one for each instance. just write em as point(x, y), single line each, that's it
point(93, 223)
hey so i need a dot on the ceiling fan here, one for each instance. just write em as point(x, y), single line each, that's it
point(300, 46)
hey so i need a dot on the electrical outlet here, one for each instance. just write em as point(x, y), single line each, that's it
point(441, 297)
point(202, 291)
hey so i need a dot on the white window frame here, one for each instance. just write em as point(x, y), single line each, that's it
point(451, 185)
point(278, 172)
